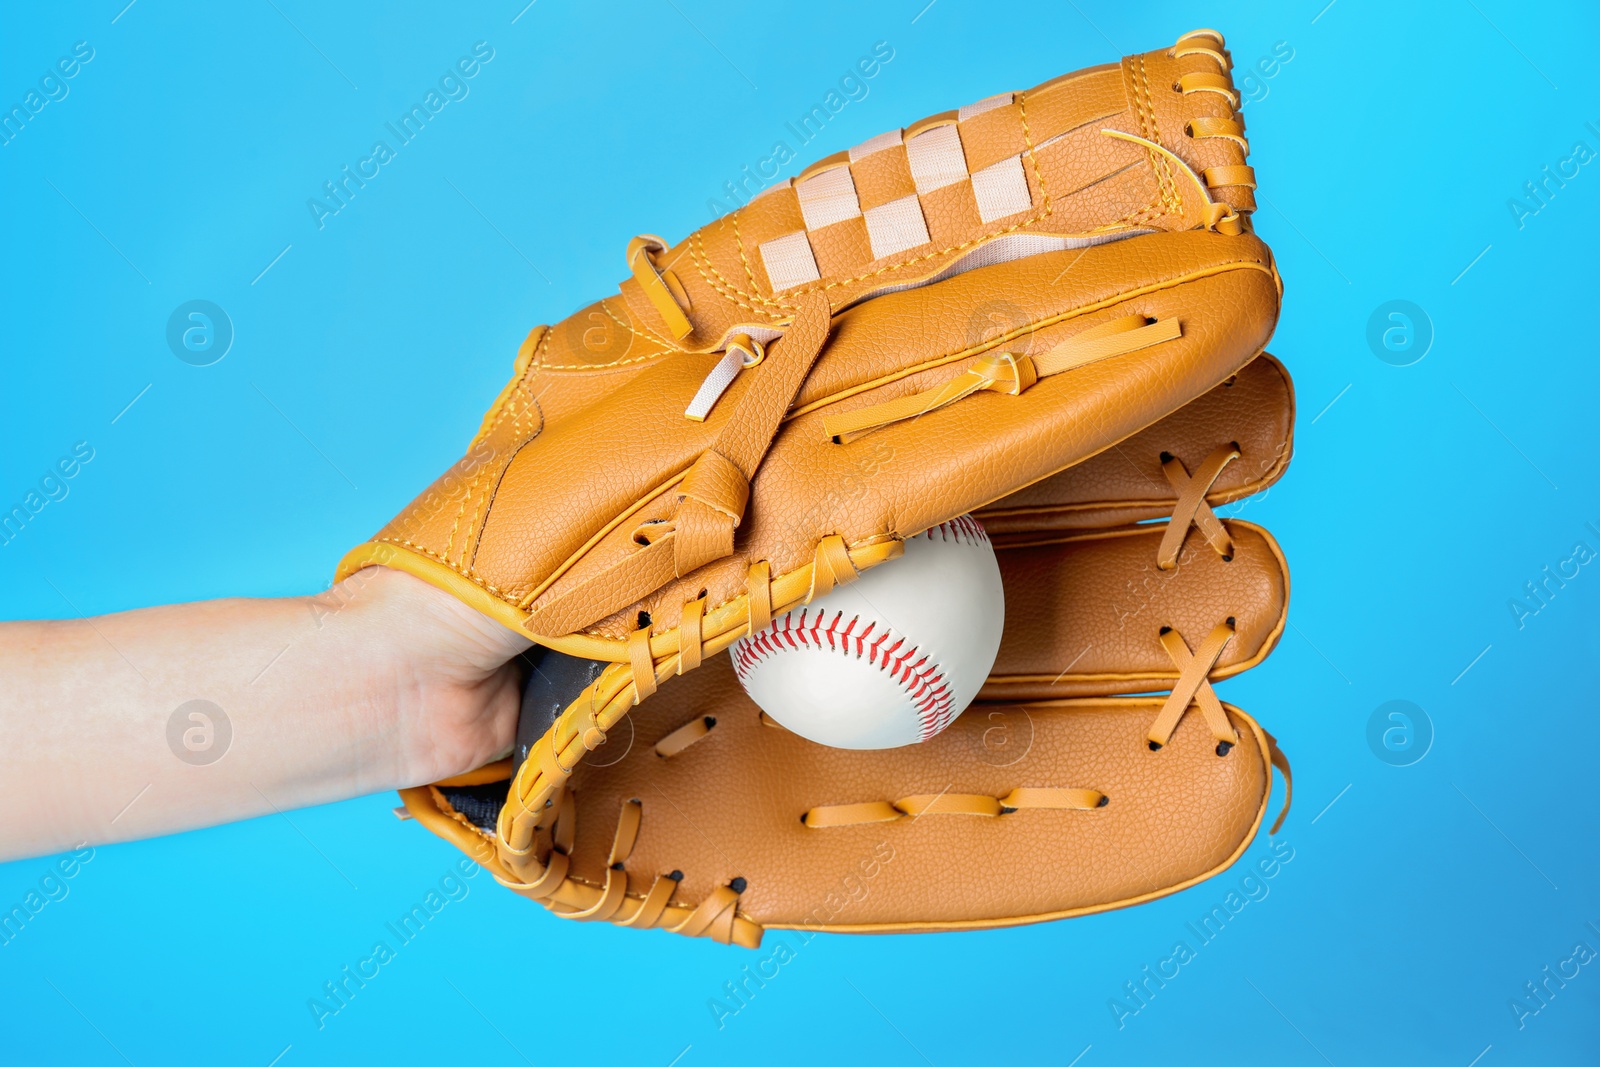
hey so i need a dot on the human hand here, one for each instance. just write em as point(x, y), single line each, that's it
point(447, 671)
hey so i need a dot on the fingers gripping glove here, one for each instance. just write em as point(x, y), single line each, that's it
point(1054, 795)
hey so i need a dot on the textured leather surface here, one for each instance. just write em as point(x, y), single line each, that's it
point(729, 807)
point(575, 473)
point(589, 439)
point(1254, 408)
point(1084, 613)
point(1089, 608)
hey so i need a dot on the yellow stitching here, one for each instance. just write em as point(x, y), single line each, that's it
point(609, 366)
point(431, 554)
point(1149, 128)
point(730, 291)
point(1141, 116)
point(738, 242)
point(1242, 264)
point(462, 510)
point(1033, 157)
point(639, 330)
point(664, 347)
point(480, 514)
point(538, 353)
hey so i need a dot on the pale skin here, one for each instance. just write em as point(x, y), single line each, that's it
point(381, 683)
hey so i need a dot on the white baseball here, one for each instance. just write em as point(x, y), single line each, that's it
point(890, 659)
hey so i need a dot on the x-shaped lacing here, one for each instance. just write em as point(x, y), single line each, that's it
point(1191, 508)
point(1194, 687)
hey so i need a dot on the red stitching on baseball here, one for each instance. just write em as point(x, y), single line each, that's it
point(924, 682)
point(963, 530)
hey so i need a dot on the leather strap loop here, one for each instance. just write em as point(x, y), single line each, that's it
point(1035, 798)
point(1211, 126)
point(703, 534)
point(712, 499)
point(628, 820)
point(643, 664)
point(717, 483)
point(1280, 761)
point(703, 527)
point(1209, 83)
point(1009, 373)
point(758, 589)
point(1235, 175)
point(655, 283)
point(830, 567)
point(696, 729)
point(689, 635)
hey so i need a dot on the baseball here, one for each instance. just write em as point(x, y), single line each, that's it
point(890, 659)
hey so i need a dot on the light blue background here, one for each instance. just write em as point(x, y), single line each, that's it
point(1420, 501)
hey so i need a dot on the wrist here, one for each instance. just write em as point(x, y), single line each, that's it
point(444, 676)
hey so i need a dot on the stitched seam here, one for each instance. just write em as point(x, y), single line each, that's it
point(729, 290)
point(1148, 126)
point(641, 329)
point(924, 683)
point(1033, 158)
point(479, 513)
point(436, 557)
point(540, 351)
point(664, 347)
point(1049, 320)
point(1112, 298)
point(449, 542)
point(738, 242)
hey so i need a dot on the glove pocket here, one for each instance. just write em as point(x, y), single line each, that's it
point(1017, 813)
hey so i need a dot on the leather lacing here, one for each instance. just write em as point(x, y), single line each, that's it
point(1022, 798)
point(716, 916)
point(712, 499)
point(1010, 373)
point(1231, 127)
point(550, 815)
point(1193, 685)
point(666, 294)
point(715, 490)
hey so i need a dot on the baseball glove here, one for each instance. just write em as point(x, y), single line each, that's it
point(941, 317)
point(1053, 795)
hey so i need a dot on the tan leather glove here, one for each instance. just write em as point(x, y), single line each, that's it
point(1052, 796)
point(938, 318)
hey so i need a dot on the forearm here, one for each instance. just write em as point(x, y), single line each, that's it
point(307, 700)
